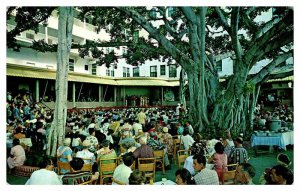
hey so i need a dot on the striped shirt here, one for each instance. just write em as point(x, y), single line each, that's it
point(206, 177)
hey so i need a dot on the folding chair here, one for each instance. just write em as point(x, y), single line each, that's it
point(147, 165)
point(87, 166)
point(159, 156)
point(107, 167)
point(181, 156)
point(228, 173)
point(177, 145)
point(62, 165)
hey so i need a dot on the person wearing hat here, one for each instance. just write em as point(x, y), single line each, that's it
point(144, 151)
point(156, 145)
point(167, 139)
point(239, 154)
point(86, 154)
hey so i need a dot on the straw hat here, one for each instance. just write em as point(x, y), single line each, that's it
point(67, 141)
point(86, 143)
point(165, 129)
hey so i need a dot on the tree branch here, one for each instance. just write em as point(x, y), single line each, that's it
point(267, 70)
point(223, 20)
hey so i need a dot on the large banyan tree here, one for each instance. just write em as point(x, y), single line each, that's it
point(194, 38)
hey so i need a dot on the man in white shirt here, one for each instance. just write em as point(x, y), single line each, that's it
point(123, 171)
point(189, 127)
point(186, 139)
point(141, 117)
point(44, 176)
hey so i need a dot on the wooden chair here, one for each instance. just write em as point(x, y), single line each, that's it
point(181, 156)
point(118, 182)
point(147, 165)
point(159, 156)
point(177, 145)
point(228, 173)
point(87, 182)
point(107, 167)
point(62, 165)
point(87, 166)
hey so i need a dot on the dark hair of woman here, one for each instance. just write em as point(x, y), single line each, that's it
point(76, 163)
point(45, 163)
point(219, 148)
point(16, 142)
point(137, 178)
point(185, 176)
point(128, 159)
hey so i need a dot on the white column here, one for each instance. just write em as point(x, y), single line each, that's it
point(74, 95)
point(100, 93)
point(162, 95)
point(124, 96)
point(37, 90)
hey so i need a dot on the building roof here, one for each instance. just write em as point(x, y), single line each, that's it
point(43, 73)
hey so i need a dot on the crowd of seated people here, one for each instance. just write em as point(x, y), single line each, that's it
point(98, 134)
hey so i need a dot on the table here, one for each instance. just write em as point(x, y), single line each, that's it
point(281, 140)
point(168, 182)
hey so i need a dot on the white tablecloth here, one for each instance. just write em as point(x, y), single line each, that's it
point(282, 140)
point(168, 182)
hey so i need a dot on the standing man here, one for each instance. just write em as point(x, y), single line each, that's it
point(189, 127)
point(204, 176)
point(141, 116)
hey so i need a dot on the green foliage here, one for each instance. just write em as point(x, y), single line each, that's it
point(249, 87)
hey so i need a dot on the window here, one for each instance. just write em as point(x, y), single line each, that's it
point(136, 72)
point(124, 71)
point(219, 66)
point(94, 69)
point(71, 64)
point(163, 70)
point(107, 72)
point(86, 67)
point(128, 72)
point(30, 36)
point(153, 71)
point(136, 36)
point(172, 71)
point(124, 50)
point(112, 73)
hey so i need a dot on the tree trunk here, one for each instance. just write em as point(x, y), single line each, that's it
point(65, 27)
point(229, 110)
point(198, 102)
point(182, 89)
